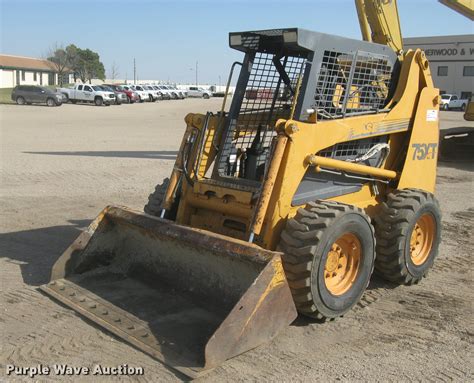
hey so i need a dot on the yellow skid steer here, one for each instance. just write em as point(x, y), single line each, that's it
point(323, 169)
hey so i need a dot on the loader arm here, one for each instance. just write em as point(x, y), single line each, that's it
point(379, 23)
point(463, 7)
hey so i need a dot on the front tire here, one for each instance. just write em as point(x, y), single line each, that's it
point(329, 251)
point(408, 231)
point(98, 101)
point(463, 107)
point(205, 96)
point(445, 107)
point(155, 199)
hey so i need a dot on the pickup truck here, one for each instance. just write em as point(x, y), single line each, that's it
point(88, 93)
point(194, 91)
point(451, 101)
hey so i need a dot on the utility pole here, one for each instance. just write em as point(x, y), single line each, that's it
point(134, 72)
point(196, 73)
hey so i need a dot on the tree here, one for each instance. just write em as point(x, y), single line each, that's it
point(114, 71)
point(72, 53)
point(89, 65)
point(58, 61)
point(83, 63)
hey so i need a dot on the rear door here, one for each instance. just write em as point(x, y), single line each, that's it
point(31, 93)
point(78, 93)
point(37, 94)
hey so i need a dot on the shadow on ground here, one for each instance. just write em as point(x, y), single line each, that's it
point(157, 155)
point(456, 146)
point(37, 250)
point(376, 284)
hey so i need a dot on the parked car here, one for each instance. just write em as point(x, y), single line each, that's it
point(144, 95)
point(153, 93)
point(29, 94)
point(163, 96)
point(451, 101)
point(178, 93)
point(195, 91)
point(131, 95)
point(88, 93)
point(120, 97)
point(166, 93)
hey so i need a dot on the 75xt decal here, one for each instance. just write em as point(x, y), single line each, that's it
point(424, 151)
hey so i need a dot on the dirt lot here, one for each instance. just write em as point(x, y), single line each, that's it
point(61, 166)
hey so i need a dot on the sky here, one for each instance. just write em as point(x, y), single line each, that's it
point(167, 38)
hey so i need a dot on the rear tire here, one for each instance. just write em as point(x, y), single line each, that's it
point(66, 98)
point(50, 102)
point(329, 251)
point(20, 100)
point(408, 231)
point(155, 199)
point(463, 107)
point(205, 96)
point(445, 107)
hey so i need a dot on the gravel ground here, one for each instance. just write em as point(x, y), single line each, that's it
point(61, 166)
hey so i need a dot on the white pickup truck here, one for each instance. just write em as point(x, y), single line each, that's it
point(451, 101)
point(88, 93)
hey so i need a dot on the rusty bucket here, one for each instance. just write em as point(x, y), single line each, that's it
point(189, 298)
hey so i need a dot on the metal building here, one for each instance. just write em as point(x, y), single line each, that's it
point(451, 60)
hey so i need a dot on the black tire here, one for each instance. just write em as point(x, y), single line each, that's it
point(153, 207)
point(98, 101)
point(129, 100)
point(150, 98)
point(306, 243)
point(50, 102)
point(463, 107)
point(65, 97)
point(20, 100)
point(445, 107)
point(74, 101)
point(394, 228)
point(205, 96)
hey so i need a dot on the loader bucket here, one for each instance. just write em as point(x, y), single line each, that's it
point(189, 298)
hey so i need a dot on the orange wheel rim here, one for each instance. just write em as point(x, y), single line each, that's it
point(421, 240)
point(342, 264)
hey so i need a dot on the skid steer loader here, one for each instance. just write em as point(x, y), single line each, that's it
point(323, 168)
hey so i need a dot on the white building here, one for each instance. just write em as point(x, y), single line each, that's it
point(16, 70)
point(451, 62)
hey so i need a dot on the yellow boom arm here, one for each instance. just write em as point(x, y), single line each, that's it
point(379, 23)
point(464, 7)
